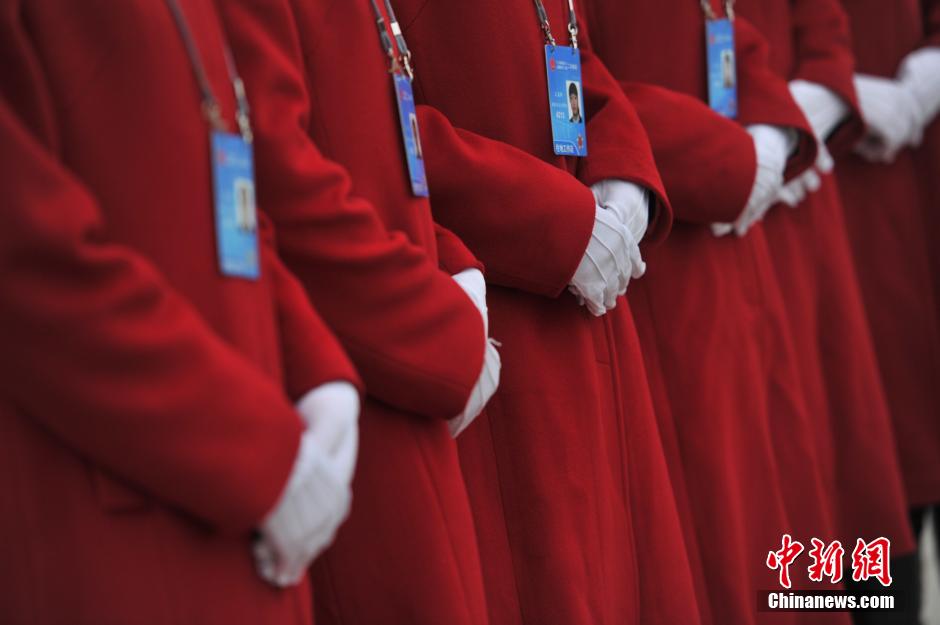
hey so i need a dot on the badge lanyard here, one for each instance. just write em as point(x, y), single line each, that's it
point(236, 222)
point(710, 12)
point(720, 59)
point(547, 29)
point(565, 87)
point(402, 72)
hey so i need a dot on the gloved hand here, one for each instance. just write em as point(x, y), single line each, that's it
point(331, 412)
point(306, 517)
point(472, 282)
point(825, 111)
point(773, 147)
point(317, 497)
point(794, 192)
point(892, 115)
point(612, 257)
point(919, 74)
point(627, 200)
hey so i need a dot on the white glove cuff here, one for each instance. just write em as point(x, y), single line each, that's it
point(629, 201)
point(773, 145)
point(482, 391)
point(473, 283)
point(823, 108)
point(331, 398)
point(920, 75)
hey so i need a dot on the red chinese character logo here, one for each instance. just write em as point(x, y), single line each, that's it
point(782, 559)
point(872, 560)
point(827, 561)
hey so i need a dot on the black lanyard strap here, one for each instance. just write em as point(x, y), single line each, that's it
point(210, 104)
point(710, 13)
point(403, 59)
point(547, 29)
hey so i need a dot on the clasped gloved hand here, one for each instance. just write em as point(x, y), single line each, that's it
point(612, 256)
point(893, 117)
point(628, 201)
point(773, 146)
point(919, 75)
point(825, 111)
point(473, 284)
point(318, 494)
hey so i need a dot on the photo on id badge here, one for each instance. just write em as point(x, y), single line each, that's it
point(566, 100)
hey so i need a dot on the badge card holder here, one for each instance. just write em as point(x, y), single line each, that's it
point(720, 59)
point(411, 136)
point(402, 75)
point(236, 220)
point(233, 177)
point(565, 87)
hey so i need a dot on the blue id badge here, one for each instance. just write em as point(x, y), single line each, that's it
point(722, 72)
point(236, 217)
point(566, 100)
point(408, 119)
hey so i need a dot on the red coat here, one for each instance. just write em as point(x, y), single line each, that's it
point(928, 158)
point(144, 427)
point(318, 77)
point(890, 248)
point(710, 314)
point(810, 41)
point(565, 471)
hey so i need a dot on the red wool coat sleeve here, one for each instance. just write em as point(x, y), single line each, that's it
point(104, 354)
point(823, 49)
point(618, 146)
point(308, 349)
point(529, 223)
point(453, 255)
point(706, 161)
point(764, 97)
point(391, 306)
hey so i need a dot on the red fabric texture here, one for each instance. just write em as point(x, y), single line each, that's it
point(565, 472)
point(816, 270)
point(144, 424)
point(888, 212)
point(318, 81)
point(711, 316)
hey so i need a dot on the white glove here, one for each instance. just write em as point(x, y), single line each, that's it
point(628, 201)
point(824, 111)
point(794, 192)
point(473, 284)
point(920, 76)
point(331, 412)
point(318, 494)
point(773, 146)
point(612, 257)
point(892, 116)
point(482, 391)
point(305, 519)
